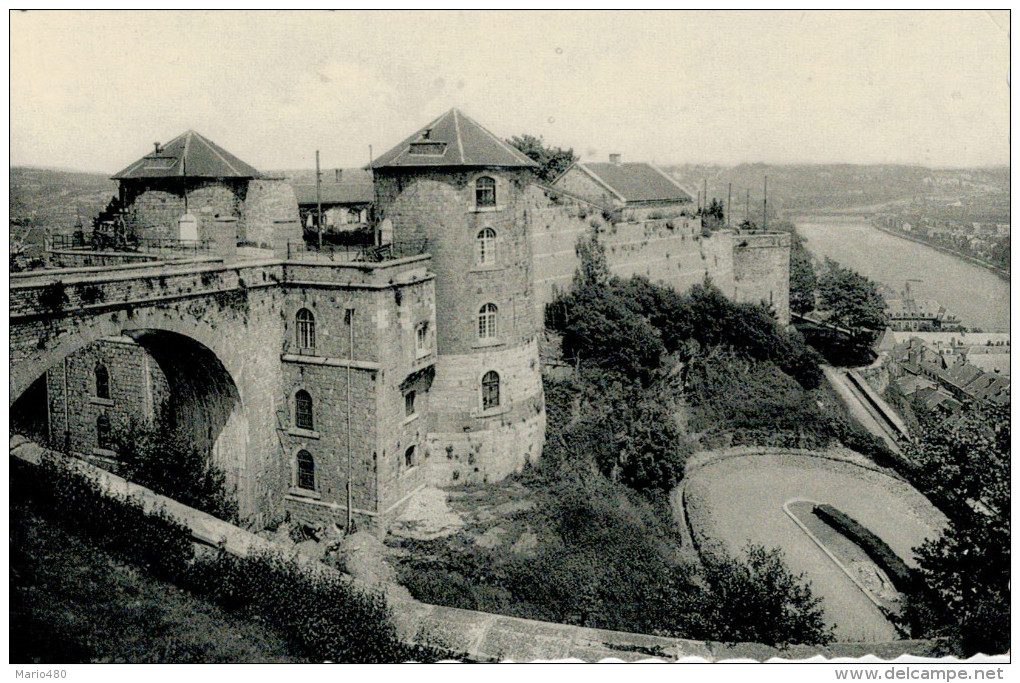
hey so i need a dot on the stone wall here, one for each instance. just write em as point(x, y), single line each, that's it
point(154, 207)
point(440, 205)
point(270, 203)
point(82, 258)
point(137, 391)
point(472, 445)
point(761, 271)
point(670, 251)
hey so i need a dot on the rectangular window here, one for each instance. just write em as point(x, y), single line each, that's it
point(485, 192)
point(160, 163)
point(427, 148)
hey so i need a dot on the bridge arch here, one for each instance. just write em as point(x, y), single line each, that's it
point(221, 362)
point(202, 401)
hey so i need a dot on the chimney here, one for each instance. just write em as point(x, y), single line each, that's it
point(158, 147)
point(614, 159)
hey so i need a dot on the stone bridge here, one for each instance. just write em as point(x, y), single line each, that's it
point(215, 330)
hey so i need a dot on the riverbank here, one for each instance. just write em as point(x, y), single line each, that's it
point(979, 297)
point(1000, 272)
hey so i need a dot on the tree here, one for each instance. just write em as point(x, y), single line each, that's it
point(756, 599)
point(803, 279)
point(714, 215)
point(166, 461)
point(651, 454)
point(853, 302)
point(852, 299)
point(554, 161)
point(964, 467)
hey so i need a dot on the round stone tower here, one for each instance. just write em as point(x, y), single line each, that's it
point(460, 189)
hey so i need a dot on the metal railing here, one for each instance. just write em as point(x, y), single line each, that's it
point(360, 253)
point(140, 245)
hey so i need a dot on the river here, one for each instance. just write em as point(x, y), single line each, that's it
point(975, 295)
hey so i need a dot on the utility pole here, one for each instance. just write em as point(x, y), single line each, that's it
point(704, 193)
point(729, 203)
point(765, 206)
point(318, 200)
point(376, 236)
point(349, 315)
point(747, 207)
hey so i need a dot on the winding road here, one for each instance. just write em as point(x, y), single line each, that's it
point(738, 499)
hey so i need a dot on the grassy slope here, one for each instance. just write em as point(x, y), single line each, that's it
point(71, 603)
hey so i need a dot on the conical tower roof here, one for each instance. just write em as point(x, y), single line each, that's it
point(453, 139)
point(188, 155)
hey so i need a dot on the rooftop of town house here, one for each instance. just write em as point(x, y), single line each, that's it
point(355, 190)
point(453, 139)
point(634, 181)
point(189, 155)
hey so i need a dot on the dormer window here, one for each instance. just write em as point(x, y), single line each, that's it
point(159, 163)
point(485, 192)
point(427, 149)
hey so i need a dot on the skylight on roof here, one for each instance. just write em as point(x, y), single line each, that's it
point(159, 163)
point(427, 148)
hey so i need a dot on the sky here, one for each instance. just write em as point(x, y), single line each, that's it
point(93, 90)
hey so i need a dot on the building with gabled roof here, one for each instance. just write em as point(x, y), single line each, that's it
point(346, 200)
point(634, 188)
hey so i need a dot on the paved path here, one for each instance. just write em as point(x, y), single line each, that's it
point(860, 410)
point(740, 499)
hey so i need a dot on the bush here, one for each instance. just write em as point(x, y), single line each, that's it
point(120, 526)
point(901, 575)
point(322, 615)
point(755, 600)
point(170, 464)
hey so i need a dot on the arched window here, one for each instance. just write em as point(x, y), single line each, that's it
point(485, 246)
point(485, 191)
point(409, 398)
point(102, 381)
point(303, 417)
point(490, 390)
point(305, 330)
point(409, 457)
point(305, 471)
point(104, 438)
point(487, 321)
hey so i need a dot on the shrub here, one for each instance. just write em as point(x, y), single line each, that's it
point(170, 464)
point(322, 615)
point(755, 600)
point(877, 549)
point(53, 297)
point(120, 526)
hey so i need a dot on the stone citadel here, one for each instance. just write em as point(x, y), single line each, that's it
point(330, 385)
